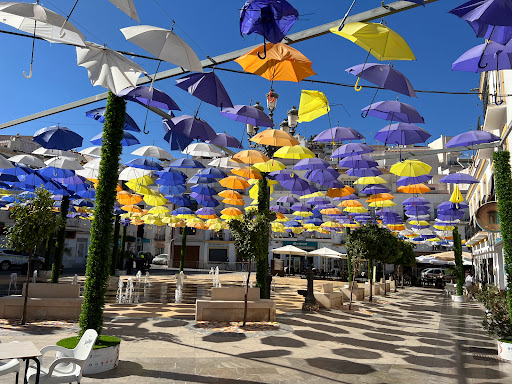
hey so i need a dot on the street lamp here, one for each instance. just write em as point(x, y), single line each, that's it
point(293, 117)
point(252, 129)
point(284, 126)
point(272, 102)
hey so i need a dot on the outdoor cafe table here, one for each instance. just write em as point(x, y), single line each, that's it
point(25, 350)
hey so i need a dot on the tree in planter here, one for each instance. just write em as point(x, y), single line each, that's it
point(496, 319)
point(249, 235)
point(459, 268)
point(61, 238)
point(503, 181)
point(405, 258)
point(262, 251)
point(34, 221)
point(101, 229)
point(115, 246)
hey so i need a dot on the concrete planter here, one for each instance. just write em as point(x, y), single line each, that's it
point(100, 360)
point(458, 299)
point(505, 350)
point(113, 282)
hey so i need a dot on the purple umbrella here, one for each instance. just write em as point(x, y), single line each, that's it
point(486, 57)
point(409, 180)
point(322, 176)
point(364, 172)
point(348, 197)
point(205, 200)
point(472, 138)
point(402, 134)
point(351, 149)
point(324, 206)
point(247, 114)
point(186, 163)
point(337, 134)
point(128, 139)
point(212, 173)
point(394, 111)
point(299, 186)
point(280, 209)
point(206, 211)
point(149, 96)
point(197, 179)
point(192, 127)
point(226, 140)
point(300, 207)
point(56, 137)
point(287, 199)
point(358, 161)
point(501, 34)
point(176, 141)
point(283, 175)
point(450, 215)
point(492, 12)
point(206, 87)
point(373, 189)
point(334, 184)
point(311, 164)
point(385, 76)
point(99, 115)
point(448, 205)
point(459, 178)
point(318, 200)
point(271, 19)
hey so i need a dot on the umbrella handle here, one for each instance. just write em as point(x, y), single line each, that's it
point(481, 57)
point(356, 86)
point(29, 74)
point(264, 50)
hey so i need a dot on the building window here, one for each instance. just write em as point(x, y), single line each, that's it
point(349, 183)
point(218, 255)
point(217, 235)
point(190, 231)
point(159, 250)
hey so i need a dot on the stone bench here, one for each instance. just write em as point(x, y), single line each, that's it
point(328, 298)
point(357, 292)
point(366, 288)
point(45, 302)
point(227, 304)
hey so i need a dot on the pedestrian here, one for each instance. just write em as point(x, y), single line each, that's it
point(470, 286)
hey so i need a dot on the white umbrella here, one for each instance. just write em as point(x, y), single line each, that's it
point(53, 152)
point(93, 164)
point(88, 173)
point(152, 151)
point(92, 151)
point(130, 173)
point(202, 150)
point(164, 45)
point(326, 252)
point(222, 162)
point(64, 163)
point(29, 160)
point(127, 7)
point(108, 68)
point(289, 250)
point(5, 164)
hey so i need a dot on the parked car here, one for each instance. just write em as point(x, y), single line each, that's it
point(10, 258)
point(160, 259)
point(434, 273)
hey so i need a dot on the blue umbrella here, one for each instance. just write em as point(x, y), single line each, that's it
point(175, 180)
point(248, 114)
point(34, 179)
point(206, 87)
point(179, 199)
point(128, 139)
point(472, 138)
point(56, 137)
point(87, 194)
point(176, 141)
point(315, 221)
point(191, 127)
point(225, 140)
point(271, 19)
point(172, 189)
point(56, 188)
point(186, 163)
point(17, 170)
point(8, 178)
point(491, 12)
point(459, 178)
point(144, 163)
point(211, 173)
point(409, 180)
point(99, 115)
point(402, 134)
point(170, 173)
point(76, 187)
point(197, 179)
point(56, 173)
point(82, 203)
point(203, 189)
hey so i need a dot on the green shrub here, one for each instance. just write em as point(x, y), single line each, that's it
point(496, 320)
point(103, 341)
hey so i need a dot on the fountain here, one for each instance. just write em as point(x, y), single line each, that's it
point(216, 280)
point(178, 294)
point(147, 282)
point(212, 274)
point(13, 283)
point(75, 280)
point(119, 295)
point(129, 291)
point(244, 283)
point(34, 277)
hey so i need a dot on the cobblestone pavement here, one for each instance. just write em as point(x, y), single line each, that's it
point(417, 335)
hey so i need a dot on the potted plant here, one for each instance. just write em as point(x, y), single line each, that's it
point(496, 320)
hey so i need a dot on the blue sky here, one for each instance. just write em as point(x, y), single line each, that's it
point(211, 27)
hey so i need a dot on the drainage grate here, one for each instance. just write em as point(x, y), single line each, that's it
point(496, 359)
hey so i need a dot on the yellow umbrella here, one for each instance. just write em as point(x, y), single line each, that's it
point(370, 180)
point(311, 195)
point(234, 201)
point(250, 156)
point(155, 199)
point(156, 222)
point(419, 222)
point(410, 168)
point(194, 222)
point(142, 189)
point(379, 40)
point(351, 225)
point(269, 166)
point(382, 204)
point(355, 209)
point(456, 196)
point(247, 173)
point(251, 208)
point(296, 153)
point(380, 197)
point(234, 182)
point(224, 217)
point(275, 138)
point(313, 104)
point(303, 213)
point(444, 227)
point(144, 180)
point(330, 224)
point(278, 228)
point(171, 219)
point(160, 209)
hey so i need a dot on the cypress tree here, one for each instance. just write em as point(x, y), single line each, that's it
point(183, 247)
point(61, 238)
point(115, 246)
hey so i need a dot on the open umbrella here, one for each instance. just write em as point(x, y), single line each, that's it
point(281, 63)
point(491, 12)
point(351, 149)
point(152, 151)
point(192, 127)
point(414, 188)
point(459, 178)
point(149, 96)
point(202, 150)
point(486, 57)
point(128, 139)
point(364, 172)
point(56, 137)
point(99, 115)
point(250, 156)
point(313, 104)
point(402, 134)
point(383, 75)
point(358, 161)
point(472, 138)
point(144, 164)
point(225, 140)
point(177, 142)
point(310, 164)
point(408, 180)
point(186, 163)
point(393, 110)
point(27, 160)
point(248, 114)
point(107, 67)
point(410, 168)
point(64, 163)
point(295, 152)
point(337, 134)
point(206, 87)
point(164, 44)
point(275, 138)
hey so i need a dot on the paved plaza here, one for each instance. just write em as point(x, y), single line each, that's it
point(415, 335)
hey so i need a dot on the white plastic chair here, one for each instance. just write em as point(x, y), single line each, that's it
point(68, 368)
point(10, 366)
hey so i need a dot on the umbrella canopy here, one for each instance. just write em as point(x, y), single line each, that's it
point(128, 139)
point(326, 252)
point(164, 45)
point(271, 19)
point(310, 164)
point(234, 182)
point(299, 186)
point(126, 198)
point(275, 138)
point(374, 189)
point(322, 176)
point(222, 162)
point(64, 163)
point(410, 168)
point(99, 115)
point(206, 87)
point(287, 199)
point(250, 156)
point(192, 127)
point(472, 138)
point(56, 137)
point(296, 152)
point(152, 151)
point(282, 63)
point(379, 40)
point(358, 161)
point(202, 150)
point(337, 134)
point(144, 164)
point(491, 12)
point(248, 114)
point(394, 111)
point(456, 196)
point(149, 96)
point(211, 173)
point(408, 180)
point(289, 250)
point(92, 151)
point(186, 163)
point(490, 56)
point(385, 76)
point(313, 104)
point(402, 134)
point(130, 173)
point(364, 172)
point(107, 67)
point(459, 178)
point(351, 149)
point(414, 188)
point(177, 142)
point(269, 166)
point(127, 7)
point(247, 172)
point(27, 160)
point(225, 140)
